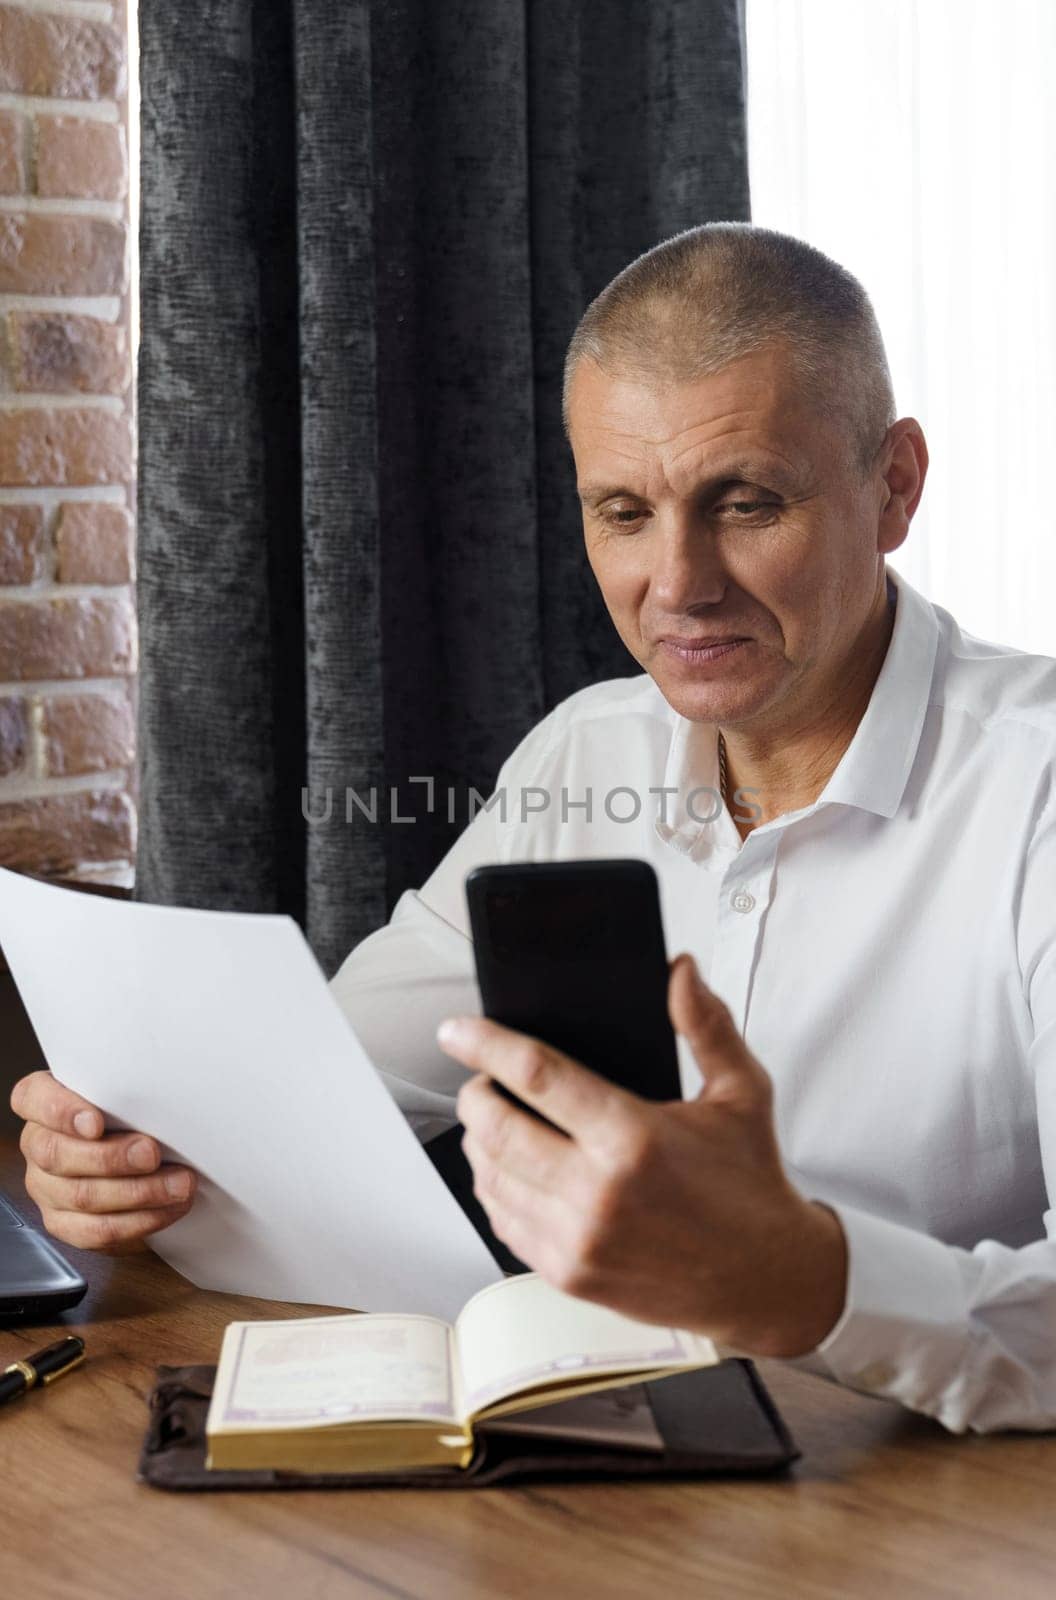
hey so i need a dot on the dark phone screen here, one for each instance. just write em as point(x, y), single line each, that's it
point(570, 922)
point(573, 953)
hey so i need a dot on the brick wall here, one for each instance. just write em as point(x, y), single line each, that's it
point(67, 618)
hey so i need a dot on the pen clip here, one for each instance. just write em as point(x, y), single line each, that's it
point(76, 1362)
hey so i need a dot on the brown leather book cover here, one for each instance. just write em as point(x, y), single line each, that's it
point(716, 1421)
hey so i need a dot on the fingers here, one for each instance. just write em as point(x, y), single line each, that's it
point(111, 1232)
point(573, 1098)
point(514, 1233)
point(96, 1191)
point(109, 1214)
point(170, 1186)
point(116, 1155)
point(41, 1098)
point(540, 1156)
point(537, 1223)
point(731, 1072)
point(497, 1185)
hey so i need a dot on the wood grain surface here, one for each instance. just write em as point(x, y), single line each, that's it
point(882, 1504)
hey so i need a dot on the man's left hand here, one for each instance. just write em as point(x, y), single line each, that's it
point(677, 1212)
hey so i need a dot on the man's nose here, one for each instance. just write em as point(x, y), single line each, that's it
point(688, 568)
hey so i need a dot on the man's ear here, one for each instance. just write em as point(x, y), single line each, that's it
point(904, 472)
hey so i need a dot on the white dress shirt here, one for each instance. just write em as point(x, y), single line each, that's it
point(888, 953)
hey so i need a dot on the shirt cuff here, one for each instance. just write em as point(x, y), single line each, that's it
point(905, 1331)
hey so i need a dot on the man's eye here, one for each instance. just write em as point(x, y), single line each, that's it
point(747, 507)
point(623, 515)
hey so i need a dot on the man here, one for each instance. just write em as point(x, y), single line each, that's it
point(861, 1181)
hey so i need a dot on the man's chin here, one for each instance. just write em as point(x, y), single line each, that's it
point(711, 702)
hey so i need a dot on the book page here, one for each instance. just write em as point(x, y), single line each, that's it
point(622, 1419)
point(316, 1370)
point(523, 1334)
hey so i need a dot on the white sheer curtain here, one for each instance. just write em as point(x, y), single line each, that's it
point(915, 142)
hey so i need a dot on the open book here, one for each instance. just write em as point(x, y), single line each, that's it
point(377, 1392)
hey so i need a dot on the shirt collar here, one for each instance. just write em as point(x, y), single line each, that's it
point(873, 771)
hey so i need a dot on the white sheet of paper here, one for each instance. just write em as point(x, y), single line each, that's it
point(217, 1033)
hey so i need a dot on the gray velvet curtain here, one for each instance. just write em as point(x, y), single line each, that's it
point(368, 230)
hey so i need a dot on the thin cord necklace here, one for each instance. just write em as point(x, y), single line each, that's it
point(722, 768)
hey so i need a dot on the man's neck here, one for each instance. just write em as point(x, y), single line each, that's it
point(789, 772)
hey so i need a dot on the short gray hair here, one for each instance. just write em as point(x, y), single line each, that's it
point(708, 296)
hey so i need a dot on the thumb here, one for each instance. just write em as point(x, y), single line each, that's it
point(39, 1097)
point(730, 1070)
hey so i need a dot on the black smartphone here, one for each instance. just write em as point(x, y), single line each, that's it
point(573, 953)
point(35, 1280)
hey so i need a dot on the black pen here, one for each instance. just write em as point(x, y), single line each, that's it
point(44, 1367)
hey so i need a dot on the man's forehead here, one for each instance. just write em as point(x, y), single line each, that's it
point(636, 414)
point(762, 380)
point(736, 424)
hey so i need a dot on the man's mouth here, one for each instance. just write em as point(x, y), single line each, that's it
point(707, 648)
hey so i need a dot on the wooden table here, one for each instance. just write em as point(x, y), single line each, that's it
point(882, 1503)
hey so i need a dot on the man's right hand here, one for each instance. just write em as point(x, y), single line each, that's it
point(96, 1190)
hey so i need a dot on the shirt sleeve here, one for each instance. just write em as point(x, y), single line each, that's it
point(400, 982)
point(967, 1336)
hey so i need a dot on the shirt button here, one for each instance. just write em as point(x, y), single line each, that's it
point(875, 1376)
point(742, 900)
